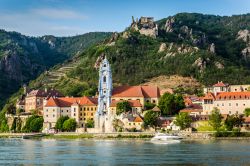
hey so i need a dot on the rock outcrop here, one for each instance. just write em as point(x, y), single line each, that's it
point(169, 24)
point(212, 48)
point(162, 48)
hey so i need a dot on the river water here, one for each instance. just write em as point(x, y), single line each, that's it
point(123, 152)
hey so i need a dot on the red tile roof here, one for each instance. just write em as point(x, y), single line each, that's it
point(68, 101)
point(233, 95)
point(137, 91)
point(132, 103)
point(209, 96)
point(219, 84)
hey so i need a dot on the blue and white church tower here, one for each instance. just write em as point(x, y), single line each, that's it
point(103, 121)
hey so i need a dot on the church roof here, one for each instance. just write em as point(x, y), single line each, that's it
point(137, 91)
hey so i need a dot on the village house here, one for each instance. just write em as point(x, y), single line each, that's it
point(84, 108)
point(35, 99)
point(229, 99)
point(135, 105)
point(141, 93)
point(80, 108)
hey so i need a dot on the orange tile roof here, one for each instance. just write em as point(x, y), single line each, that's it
point(136, 91)
point(220, 84)
point(192, 108)
point(187, 101)
point(138, 119)
point(68, 101)
point(209, 96)
point(233, 95)
point(132, 103)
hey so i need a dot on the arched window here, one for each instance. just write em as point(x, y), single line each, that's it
point(104, 79)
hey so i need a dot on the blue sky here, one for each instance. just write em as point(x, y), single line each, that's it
point(72, 17)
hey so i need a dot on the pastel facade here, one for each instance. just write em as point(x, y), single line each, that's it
point(35, 99)
point(135, 105)
point(227, 102)
point(81, 109)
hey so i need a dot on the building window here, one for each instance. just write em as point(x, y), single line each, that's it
point(229, 112)
point(91, 118)
point(229, 104)
point(236, 104)
point(153, 101)
point(62, 110)
point(129, 124)
point(84, 118)
point(53, 115)
point(236, 112)
point(84, 114)
point(104, 79)
point(91, 114)
point(47, 115)
point(84, 109)
point(80, 118)
point(53, 110)
point(47, 110)
point(222, 104)
point(74, 114)
point(218, 105)
point(67, 110)
point(74, 109)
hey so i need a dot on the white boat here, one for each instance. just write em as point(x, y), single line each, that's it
point(161, 137)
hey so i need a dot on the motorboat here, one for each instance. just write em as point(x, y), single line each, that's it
point(162, 137)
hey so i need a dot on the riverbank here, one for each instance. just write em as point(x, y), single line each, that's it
point(121, 135)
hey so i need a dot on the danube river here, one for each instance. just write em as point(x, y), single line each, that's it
point(123, 152)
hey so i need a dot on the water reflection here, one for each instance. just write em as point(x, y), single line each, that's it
point(120, 152)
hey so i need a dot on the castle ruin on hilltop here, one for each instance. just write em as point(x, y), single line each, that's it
point(145, 25)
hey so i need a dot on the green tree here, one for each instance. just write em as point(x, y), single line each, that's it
point(4, 126)
point(233, 121)
point(149, 106)
point(171, 104)
point(150, 118)
point(69, 125)
point(123, 107)
point(27, 126)
point(215, 119)
point(183, 120)
point(33, 124)
point(247, 111)
point(60, 121)
point(36, 124)
point(90, 123)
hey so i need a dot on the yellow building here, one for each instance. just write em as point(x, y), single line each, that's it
point(79, 108)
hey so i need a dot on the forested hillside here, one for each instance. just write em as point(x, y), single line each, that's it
point(23, 58)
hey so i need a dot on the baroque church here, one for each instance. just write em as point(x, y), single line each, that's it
point(104, 117)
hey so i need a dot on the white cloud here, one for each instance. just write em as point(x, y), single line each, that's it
point(38, 22)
